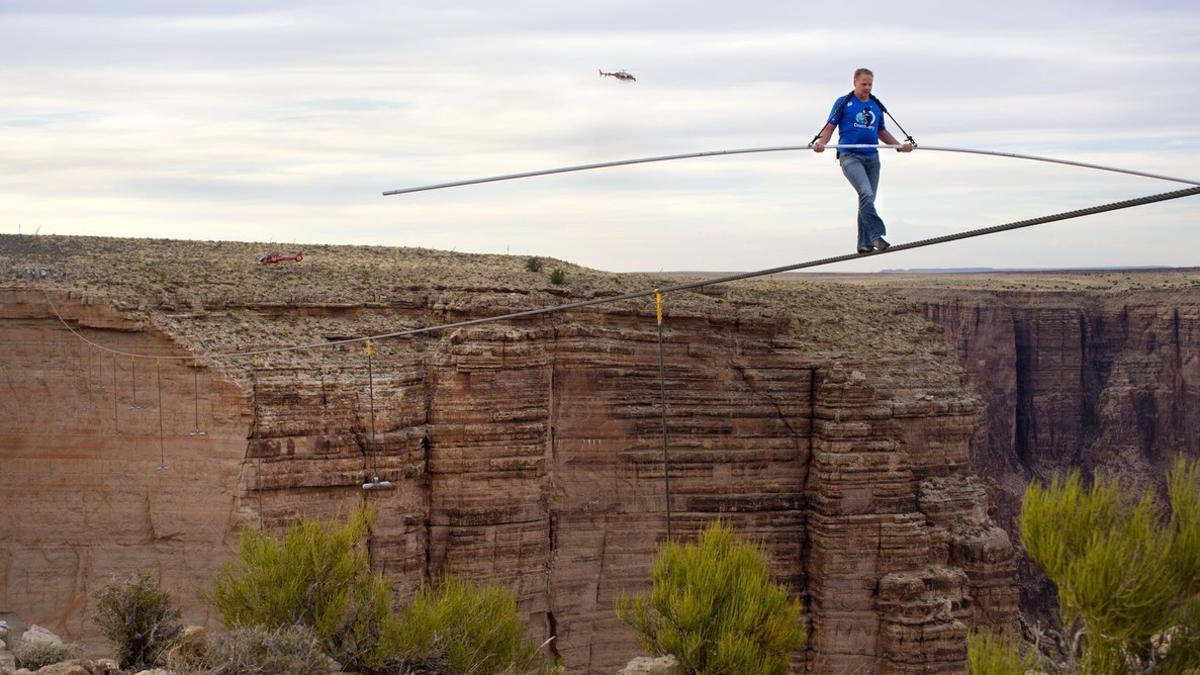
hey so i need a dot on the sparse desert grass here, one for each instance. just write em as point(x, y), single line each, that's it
point(215, 297)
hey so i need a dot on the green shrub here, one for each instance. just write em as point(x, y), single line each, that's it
point(558, 277)
point(136, 616)
point(715, 609)
point(314, 575)
point(533, 264)
point(991, 654)
point(1128, 575)
point(256, 650)
point(471, 628)
point(34, 654)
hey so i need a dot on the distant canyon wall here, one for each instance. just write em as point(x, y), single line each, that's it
point(1103, 382)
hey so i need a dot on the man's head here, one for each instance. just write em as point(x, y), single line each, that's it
point(863, 79)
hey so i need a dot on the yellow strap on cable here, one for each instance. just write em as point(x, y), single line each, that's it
point(658, 305)
point(256, 360)
point(370, 348)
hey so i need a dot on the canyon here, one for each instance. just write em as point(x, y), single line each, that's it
point(1101, 382)
point(872, 435)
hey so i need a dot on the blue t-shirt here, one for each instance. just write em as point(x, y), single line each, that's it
point(860, 123)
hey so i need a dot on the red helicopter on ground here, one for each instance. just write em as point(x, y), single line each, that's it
point(273, 257)
point(623, 75)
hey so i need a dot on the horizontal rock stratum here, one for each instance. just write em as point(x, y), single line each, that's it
point(830, 421)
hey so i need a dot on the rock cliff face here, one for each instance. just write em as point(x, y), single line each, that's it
point(829, 423)
point(80, 468)
point(1101, 381)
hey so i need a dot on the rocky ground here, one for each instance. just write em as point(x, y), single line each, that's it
point(214, 297)
point(168, 283)
point(194, 640)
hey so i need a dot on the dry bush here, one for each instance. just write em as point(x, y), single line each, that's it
point(191, 652)
point(256, 650)
point(34, 654)
point(137, 618)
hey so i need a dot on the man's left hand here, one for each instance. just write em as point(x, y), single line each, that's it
point(907, 147)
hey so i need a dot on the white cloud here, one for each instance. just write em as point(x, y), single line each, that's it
point(278, 120)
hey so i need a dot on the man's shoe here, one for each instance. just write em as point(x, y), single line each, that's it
point(880, 244)
point(865, 249)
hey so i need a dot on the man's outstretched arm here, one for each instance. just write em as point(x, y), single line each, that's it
point(825, 135)
point(888, 139)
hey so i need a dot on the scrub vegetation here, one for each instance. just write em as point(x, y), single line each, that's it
point(1127, 569)
point(715, 608)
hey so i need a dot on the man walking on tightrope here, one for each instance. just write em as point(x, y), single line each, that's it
point(858, 117)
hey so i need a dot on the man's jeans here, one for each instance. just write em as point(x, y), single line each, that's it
point(863, 173)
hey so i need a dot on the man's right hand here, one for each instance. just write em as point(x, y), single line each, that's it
point(819, 146)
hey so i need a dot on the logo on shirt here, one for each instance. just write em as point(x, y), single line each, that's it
point(866, 118)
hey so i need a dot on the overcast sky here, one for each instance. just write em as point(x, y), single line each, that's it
point(285, 121)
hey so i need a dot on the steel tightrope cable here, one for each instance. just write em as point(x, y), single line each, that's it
point(371, 454)
point(162, 448)
point(116, 427)
point(133, 380)
point(196, 430)
point(662, 389)
point(372, 448)
point(780, 148)
point(254, 393)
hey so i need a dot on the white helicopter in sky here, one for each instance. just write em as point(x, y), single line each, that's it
point(623, 75)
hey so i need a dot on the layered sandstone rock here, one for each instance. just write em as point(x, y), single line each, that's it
point(99, 493)
point(1100, 380)
point(881, 513)
point(829, 424)
point(1075, 378)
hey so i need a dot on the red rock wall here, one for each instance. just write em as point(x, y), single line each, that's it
point(532, 456)
point(88, 490)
